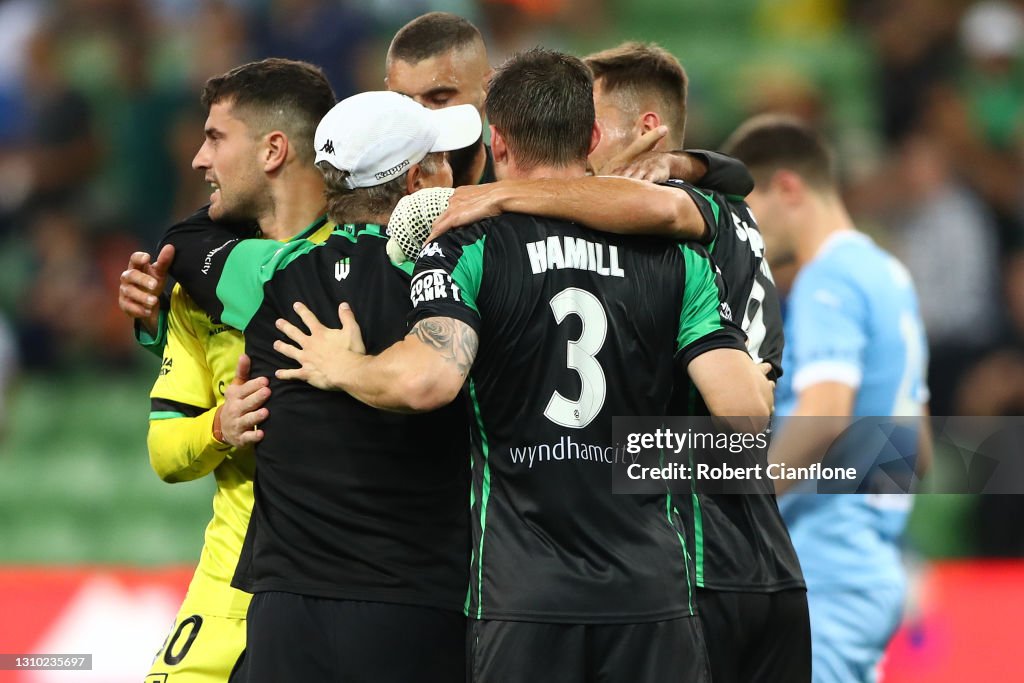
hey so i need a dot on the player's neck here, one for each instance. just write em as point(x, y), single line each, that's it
point(475, 170)
point(294, 205)
point(539, 172)
point(826, 216)
point(369, 218)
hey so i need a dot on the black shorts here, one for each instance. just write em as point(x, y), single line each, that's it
point(299, 638)
point(757, 637)
point(528, 652)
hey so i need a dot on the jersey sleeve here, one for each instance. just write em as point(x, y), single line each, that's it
point(712, 206)
point(154, 343)
point(739, 253)
point(184, 449)
point(705, 322)
point(827, 316)
point(180, 439)
point(225, 274)
point(725, 174)
point(447, 277)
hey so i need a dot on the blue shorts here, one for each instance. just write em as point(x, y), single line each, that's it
point(850, 630)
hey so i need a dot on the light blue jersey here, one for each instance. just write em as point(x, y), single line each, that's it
point(852, 317)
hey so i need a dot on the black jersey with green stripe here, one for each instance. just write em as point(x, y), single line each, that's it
point(738, 250)
point(741, 541)
point(575, 327)
point(350, 502)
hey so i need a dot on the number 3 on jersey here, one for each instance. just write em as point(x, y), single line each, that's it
point(580, 354)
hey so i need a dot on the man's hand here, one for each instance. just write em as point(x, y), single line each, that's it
point(469, 204)
point(655, 167)
point(141, 285)
point(643, 144)
point(325, 353)
point(237, 420)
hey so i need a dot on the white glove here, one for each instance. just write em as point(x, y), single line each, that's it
point(412, 220)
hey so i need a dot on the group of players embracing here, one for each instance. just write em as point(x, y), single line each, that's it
point(369, 523)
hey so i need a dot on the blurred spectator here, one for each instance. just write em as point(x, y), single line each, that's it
point(981, 113)
point(995, 386)
point(19, 21)
point(141, 171)
point(781, 88)
point(70, 313)
point(329, 33)
point(217, 40)
point(511, 26)
point(947, 237)
point(8, 368)
point(911, 40)
point(789, 19)
point(60, 152)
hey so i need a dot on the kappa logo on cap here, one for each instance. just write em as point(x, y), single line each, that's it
point(328, 147)
point(391, 171)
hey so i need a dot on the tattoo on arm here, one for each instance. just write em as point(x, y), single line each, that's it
point(456, 341)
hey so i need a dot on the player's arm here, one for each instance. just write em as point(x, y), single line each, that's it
point(184, 448)
point(712, 349)
point(605, 203)
point(733, 386)
point(711, 170)
point(181, 439)
point(429, 366)
point(423, 372)
point(829, 341)
point(828, 405)
point(803, 442)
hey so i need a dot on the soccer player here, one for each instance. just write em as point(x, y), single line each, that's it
point(854, 347)
point(258, 156)
point(439, 59)
point(750, 587)
point(751, 593)
point(356, 549)
point(557, 328)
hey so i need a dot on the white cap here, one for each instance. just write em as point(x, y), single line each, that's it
point(377, 136)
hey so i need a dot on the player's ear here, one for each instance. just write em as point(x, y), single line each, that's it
point(414, 179)
point(789, 186)
point(648, 121)
point(499, 150)
point(595, 138)
point(275, 151)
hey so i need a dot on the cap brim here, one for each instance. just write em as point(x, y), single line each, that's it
point(459, 127)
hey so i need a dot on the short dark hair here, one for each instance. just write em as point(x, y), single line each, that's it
point(276, 94)
point(431, 34)
point(542, 103)
point(771, 142)
point(634, 69)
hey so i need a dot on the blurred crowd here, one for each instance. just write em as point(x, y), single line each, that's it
point(100, 119)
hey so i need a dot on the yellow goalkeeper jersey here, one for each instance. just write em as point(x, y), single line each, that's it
point(199, 362)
